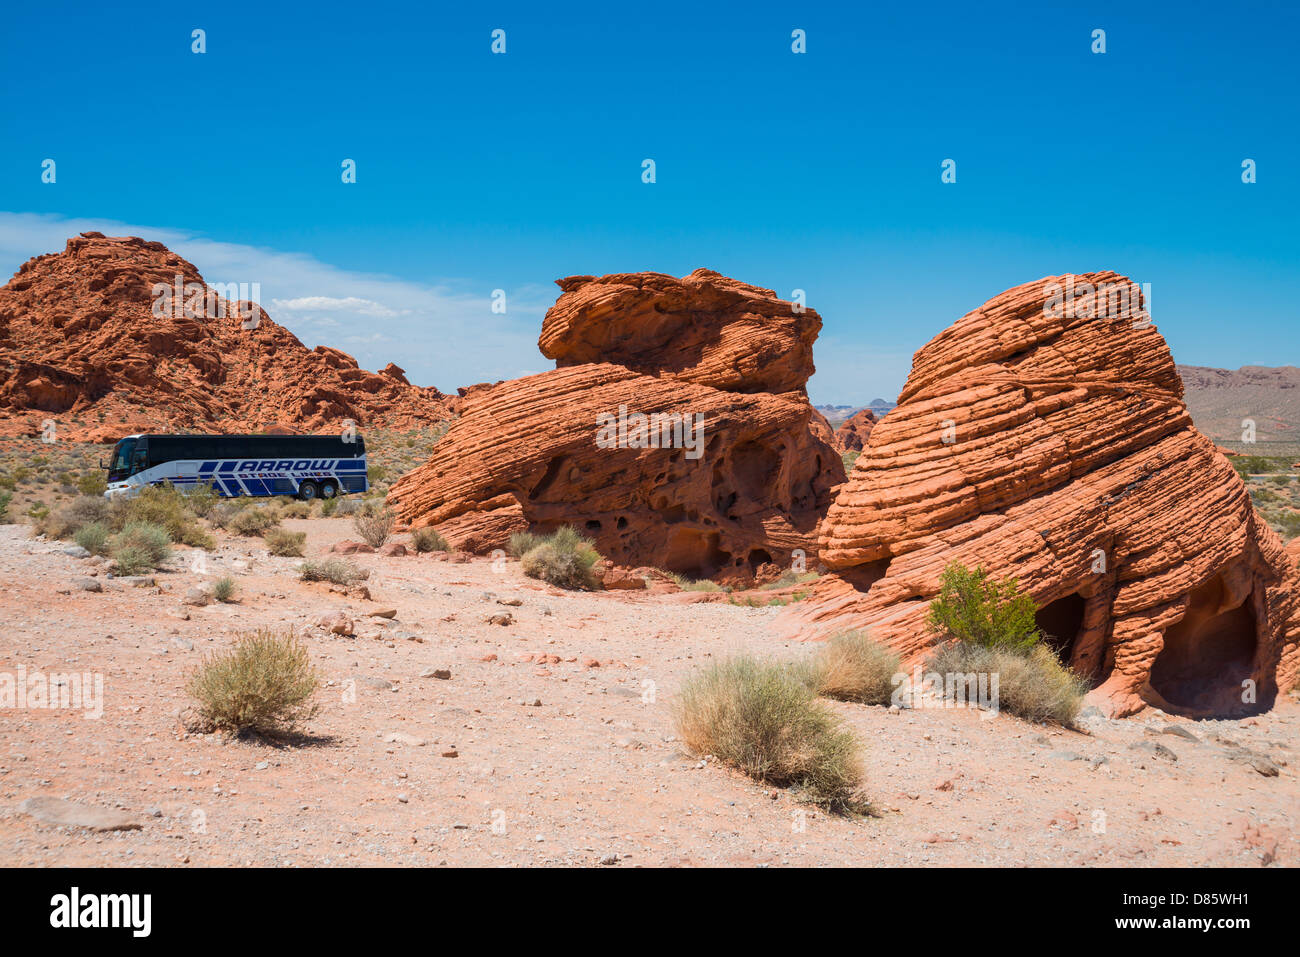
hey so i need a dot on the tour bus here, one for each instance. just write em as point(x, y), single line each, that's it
point(306, 466)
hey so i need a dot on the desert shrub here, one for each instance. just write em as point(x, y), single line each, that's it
point(296, 509)
point(1280, 480)
point(686, 583)
point(346, 506)
point(82, 511)
point(974, 609)
point(223, 589)
point(5, 498)
point(791, 577)
point(92, 483)
point(264, 684)
point(852, 667)
point(93, 538)
point(252, 521)
point(376, 473)
point(521, 543)
point(7, 481)
point(429, 540)
point(1253, 465)
point(375, 528)
point(21, 474)
point(201, 499)
point(38, 512)
point(328, 506)
point(139, 547)
point(281, 541)
point(164, 506)
point(564, 558)
point(764, 720)
point(334, 570)
point(1032, 682)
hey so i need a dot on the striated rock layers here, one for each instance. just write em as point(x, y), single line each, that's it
point(854, 431)
point(86, 339)
point(1056, 448)
point(675, 432)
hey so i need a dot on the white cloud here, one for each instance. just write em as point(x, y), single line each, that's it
point(444, 335)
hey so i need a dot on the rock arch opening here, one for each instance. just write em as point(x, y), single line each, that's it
point(1060, 622)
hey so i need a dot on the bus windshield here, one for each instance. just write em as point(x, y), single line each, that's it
point(120, 465)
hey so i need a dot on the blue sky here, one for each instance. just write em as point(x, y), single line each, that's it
point(818, 171)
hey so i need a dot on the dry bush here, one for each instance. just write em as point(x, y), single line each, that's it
point(223, 589)
point(1032, 683)
point(281, 541)
point(264, 684)
point(252, 521)
point(564, 559)
point(374, 529)
point(764, 720)
point(521, 543)
point(164, 506)
point(686, 583)
point(80, 512)
point(429, 540)
point(852, 667)
point(93, 538)
point(334, 570)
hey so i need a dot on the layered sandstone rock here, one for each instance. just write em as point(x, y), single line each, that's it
point(1056, 448)
point(86, 341)
point(854, 431)
point(570, 446)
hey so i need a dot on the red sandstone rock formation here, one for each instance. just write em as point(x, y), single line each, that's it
point(80, 343)
point(854, 431)
point(730, 356)
point(1059, 451)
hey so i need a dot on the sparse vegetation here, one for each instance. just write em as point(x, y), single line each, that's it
point(264, 684)
point(374, 529)
point(223, 589)
point(764, 720)
point(852, 667)
point(429, 540)
point(5, 498)
point(252, 521)
point(282, 542)
point(164, 506)
point(92, 483)
point(564, 559)
point(335, 570)
point(521, 543)
point(686, 583)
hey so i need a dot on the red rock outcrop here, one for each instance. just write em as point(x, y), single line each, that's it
point(84, 341)
point(854, 431)
point(741, 485)
point(1058, 450)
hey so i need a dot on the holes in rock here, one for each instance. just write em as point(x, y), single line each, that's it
point(593, 525)
point(863, 576)
point(1060, 622)
point(1208, 654)
point(758, 556)
point(753, 468)
point(694, 553)
point(622, 522)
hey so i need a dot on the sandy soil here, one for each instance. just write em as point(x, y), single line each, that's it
point(568, 762)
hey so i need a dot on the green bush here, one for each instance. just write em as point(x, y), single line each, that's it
point(765, 721)
point(92, 483)
point(429, 540)
point(223, 589)
point(82, 511)
point(1280, 480)
point(1032, 682)
point(685, 583)
point(852, 667)
point(564, 559)
point(328, 506)
point(164, 506)
point(93, 538)
point(334, 570)
point(201, 499)
point(974, 609)
point(5, 499)
point(280, 541)
point(264, 684)
point(140, 546)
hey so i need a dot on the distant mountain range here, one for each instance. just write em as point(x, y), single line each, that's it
point(1220, 400)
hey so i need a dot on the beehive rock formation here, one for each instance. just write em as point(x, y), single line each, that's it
point(854, 431)
point(526, 453)
point(80, 344)
point(1057, 449)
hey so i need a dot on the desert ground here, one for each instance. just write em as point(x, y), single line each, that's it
point(552, 740)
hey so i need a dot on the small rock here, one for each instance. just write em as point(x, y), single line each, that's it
point(401, 737)
point(384, 613)
point(71, 814)
point(441, 673)
point(87, 584)
point(197, 596)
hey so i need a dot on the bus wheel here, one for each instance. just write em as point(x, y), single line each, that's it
point(328, 490)
point(308, 491)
